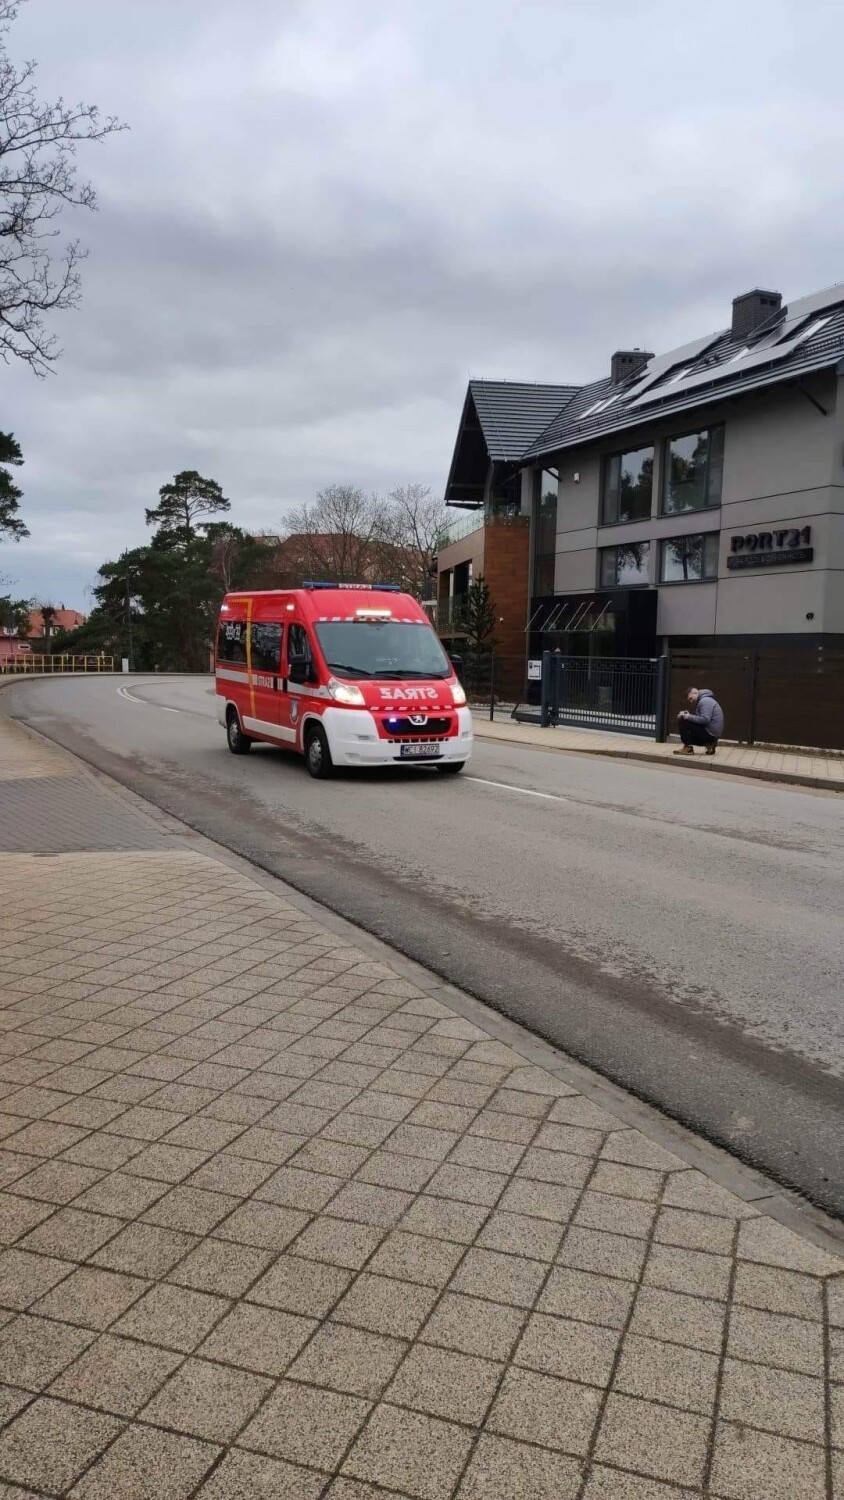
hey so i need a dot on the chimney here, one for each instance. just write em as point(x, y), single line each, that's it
point(752, 309)
point(626, 362)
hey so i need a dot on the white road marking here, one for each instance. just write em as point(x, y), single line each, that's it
point(129, 696)
point(505, 786)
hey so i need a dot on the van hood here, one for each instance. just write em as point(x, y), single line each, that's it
point(412, 695)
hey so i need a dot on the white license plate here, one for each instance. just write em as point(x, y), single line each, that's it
point(419, 752)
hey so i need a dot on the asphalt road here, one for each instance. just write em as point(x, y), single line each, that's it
point(680, 933)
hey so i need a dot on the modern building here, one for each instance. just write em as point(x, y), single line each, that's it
point(689, 499)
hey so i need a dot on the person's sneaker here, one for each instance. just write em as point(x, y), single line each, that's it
point(710, 749)
point(684, 750)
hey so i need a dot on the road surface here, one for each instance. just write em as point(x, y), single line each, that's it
point(680, 933)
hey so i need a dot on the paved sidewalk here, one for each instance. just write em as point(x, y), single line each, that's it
point(825, 772)
point(280, 1225)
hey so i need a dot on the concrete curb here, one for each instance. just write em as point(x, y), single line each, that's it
point(768, 1196)
point(710, 767)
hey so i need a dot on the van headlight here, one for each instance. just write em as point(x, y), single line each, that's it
point(346, 692)
point(458, 695)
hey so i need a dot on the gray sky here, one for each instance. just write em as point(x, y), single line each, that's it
point(330, 213)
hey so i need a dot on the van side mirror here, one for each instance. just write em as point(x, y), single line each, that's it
point(457, 663)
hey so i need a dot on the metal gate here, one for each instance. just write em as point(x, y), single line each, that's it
point(624, 694)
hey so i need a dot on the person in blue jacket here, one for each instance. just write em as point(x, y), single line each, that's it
point(702, 723)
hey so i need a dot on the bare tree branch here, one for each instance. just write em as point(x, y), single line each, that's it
point(38, 144)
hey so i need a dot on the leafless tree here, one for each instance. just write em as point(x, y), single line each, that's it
point(412, 521)
point(38, 144)
point(336, 538)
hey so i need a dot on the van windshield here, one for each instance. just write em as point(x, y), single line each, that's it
point(382, 648)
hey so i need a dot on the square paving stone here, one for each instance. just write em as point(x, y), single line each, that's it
point(300, 1189)
point(261, 1339)
point(384, 1305)
point(145, 1250)
point(300, 1286)
point(216, 1266)
point(627, 1182)
point(146, 1464)
point(419, 1455)
point(444, 1218)
point(262, 1224)
point(305, 1425)
point(752, 1465)
point(121, 1195)
point(763, 1240)
point(678, 1319)
point(612, 1215)
point(445, 1383)
point(24, 1277)
point(678, 1226)
point(173, 1316)
point(33, 1351)
point(653, 1440)
point(348, 1359)
point(248, 1476)
point(546, 1200)
point(574, 1351)
point(542, 1409)
point(333, 1157)
point(487, 1155)
point(191, 1209)
point(518, 1234)
point(606, 1254)
point(51, 1442)
point(510, 1279)
point(613, 1484)
point(778, 1291)
point(207, 1400)
point(92, 1298)
point(19, 1215)
point(412, 1257)
point(591, 1299)
point(668, 1373)
point(364, 1203)
point(166, 1163)
point(227, 1173)
point(772, 1339)
point(57, 1182)
point(116, 1375)
point(410, 1173)
point(780, 1400)
point(474, 1326)
point(694, 1271)
point(73, 1234)
point(339, 1242)
point(554, 1166)
point(502, 1469)
point(494, 1125)
point(468, 1185)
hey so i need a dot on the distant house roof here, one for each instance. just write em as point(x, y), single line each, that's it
point(63, 619)
point(805, 336)
point(500, 421)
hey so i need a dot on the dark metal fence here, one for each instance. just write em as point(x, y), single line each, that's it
point(622, 694)
point(771, 696)
point(493, 682)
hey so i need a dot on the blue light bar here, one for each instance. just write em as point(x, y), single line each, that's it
point(367, 588)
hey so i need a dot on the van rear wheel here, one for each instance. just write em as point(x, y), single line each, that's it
point(317, 754)
point(238, 742)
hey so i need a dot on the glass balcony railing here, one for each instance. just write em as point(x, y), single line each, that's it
point(476, 520)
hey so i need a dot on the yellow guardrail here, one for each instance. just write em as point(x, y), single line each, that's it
point(26, 662)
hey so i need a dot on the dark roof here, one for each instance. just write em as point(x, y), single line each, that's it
point(512, 413)
point(500, 420)
point(804, 337)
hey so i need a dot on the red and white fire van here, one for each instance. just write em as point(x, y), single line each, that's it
point(347, 674)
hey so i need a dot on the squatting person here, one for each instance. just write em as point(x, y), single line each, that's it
point(702, 723)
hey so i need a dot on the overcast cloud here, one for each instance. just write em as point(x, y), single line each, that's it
point(330, 213)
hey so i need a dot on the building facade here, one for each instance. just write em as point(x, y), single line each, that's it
point(694, 498)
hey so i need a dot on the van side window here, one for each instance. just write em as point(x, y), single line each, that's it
point(298, 644)
point(231, 641)
point(266, 647)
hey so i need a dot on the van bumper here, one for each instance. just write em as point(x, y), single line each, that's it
point(353, 740)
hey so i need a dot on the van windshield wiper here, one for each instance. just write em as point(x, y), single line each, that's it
point(342, 666)
point(429, 676)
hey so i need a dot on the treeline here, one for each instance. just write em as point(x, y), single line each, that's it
point(157, 604)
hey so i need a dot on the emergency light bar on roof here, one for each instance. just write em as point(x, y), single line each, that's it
point(368, 588)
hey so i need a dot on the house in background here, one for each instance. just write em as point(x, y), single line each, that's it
point(492, 496)
point(45, 622)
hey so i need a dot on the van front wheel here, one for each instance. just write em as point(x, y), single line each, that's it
point(238, 742)
point(317, 754)
point(451, 767)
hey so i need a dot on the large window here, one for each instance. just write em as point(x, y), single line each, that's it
point(628, 486)
point(626, 566)
point(231, 641)
point(545, 537)
point(689, 559)
point(266, 647)
point(693, 468)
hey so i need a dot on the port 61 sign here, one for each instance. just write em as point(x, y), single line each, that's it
point(771, 549)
